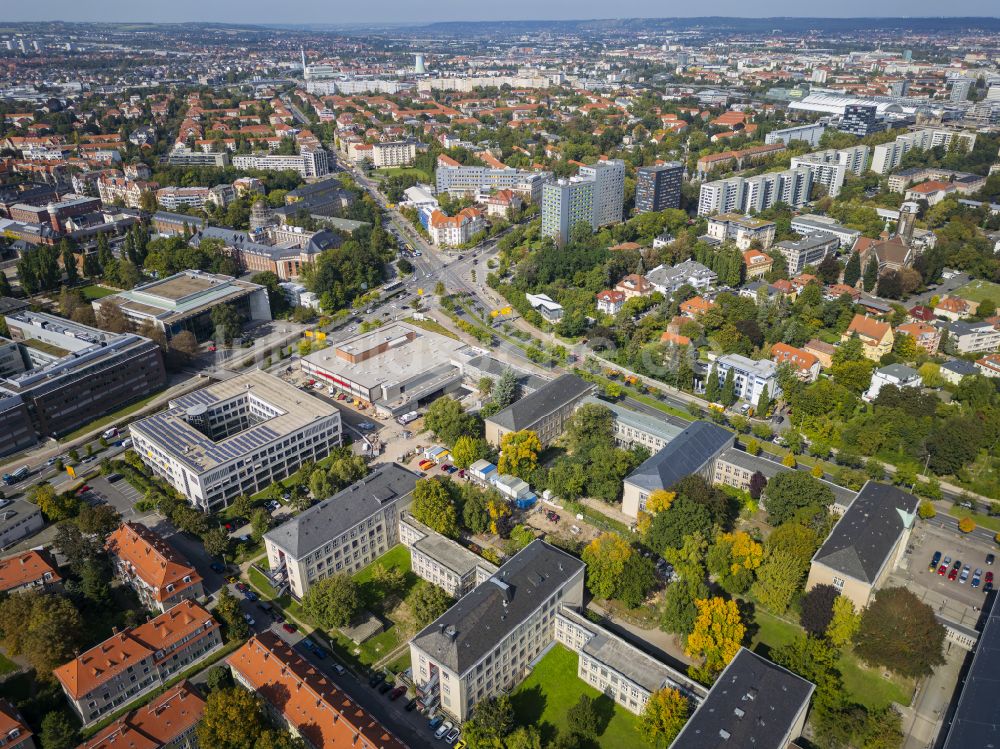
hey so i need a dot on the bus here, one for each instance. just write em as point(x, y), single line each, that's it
point(19, 475)
point(391, 289)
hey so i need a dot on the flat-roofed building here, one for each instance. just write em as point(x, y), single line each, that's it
point(544, 411)
point(185, 300)
point(19, 519)
point(807, 251)
point(29, 570)
point(168, 722)
point(741, 230)
point(397, 367)
point(633, 428)
point(135, 660)
point(809, 225)
point(237, 436)
point(304, 699)
point(753, 703)
point(441, 561)
point(154, 569)
point(394, 153)
point(866, 544)
point(485, 644)
point(343, 533)
point(750, 376)
point(694, 450)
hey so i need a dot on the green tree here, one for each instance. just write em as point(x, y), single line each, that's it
point(475, 509)
point(900, 632)
point(778, 580)
point(216, 542)
point(58, 731)
point(763, 402)
point(728, 395)
point(260, 522)
point(427, 602)
point(852, 272)
point(583, 716)
point(492, 721)
point(679, 612)
point(871, 274)
point(506, 389)
point(333, 601)
point(68, 261)
point(447, 419)
point(664, 716)
point(228, 609)
point(519, 453)
point(227, 322)
point(844, 623)
point(233, 718)
point(467, 450)
point(817, 609)
point(592, 426)
point(45, 629)
point(669, 529)
point(434, 507)
point(712, 391)
point(790, 491)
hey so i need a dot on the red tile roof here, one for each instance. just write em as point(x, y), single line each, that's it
point(782, 352)
point(866, 327)
point(152, 559)
point(11, 722)
point(26, 568)
point(155, 725)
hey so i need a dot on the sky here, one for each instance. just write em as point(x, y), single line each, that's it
point(423, 11)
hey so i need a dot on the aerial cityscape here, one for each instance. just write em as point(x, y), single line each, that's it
point(499, 382)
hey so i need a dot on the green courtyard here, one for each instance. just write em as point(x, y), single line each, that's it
point(553, 687)
point(978, 290)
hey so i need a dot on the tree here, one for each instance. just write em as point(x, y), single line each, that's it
point(427, 602)
point(233, 718)
point(260, 522)
point(216, 542)
point(733, 559)
point(817, 609)
point(54, 506)
point(228, 609)
point(433, 506)
point(583, 716)
point(44, 628)
point(900, 632)
point(890, 285)
point(712, 390)
point(660, 501)
point(778, 580)
point(844, 622)
point(852, 272)
point(68, 261)
point(505, 392)
point(871, 273)
point(728, 395)
point(226, 321)
point(679, 610)
point(525, 737)
point(333, 601)
point(58, 731)
point(717, 636)
point(763, 402)
point(790, 491)
point(669, 529)
point(275, 294)
point(519, 453)
point(664, 716)
point(111, 318)
point(926, 510)
point(591, 426)
point(467, 450)
point(828, 270)
point(637, 580)
point(605, 558)
point(492, 721)
point(448, 420)
point(219, 677)
point(905, 347)
point(475, 510)
point(388, 579)
point(184, 345)
point(99, 520)
point(758, 482)
point(967, 525)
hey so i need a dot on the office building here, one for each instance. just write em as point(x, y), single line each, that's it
point(394, 153)
point(29, 570)
point(888, 156)
point(485, 644)
point(441, 561)
point(860, 120)
point(741, 230)
point(184, 301)
point(808, 251)
point(753, 703)
point(566, 203)
point(57, 375)
point(866, 544)
point(750, 376)
point(758, 193)
point(397, 367)
point(544, 412)
point(236, 436)
point(343, 533)
point(168, 722)
point(308, 163)
point(693, 451)
point(960, 88)
point(829, 168)
point(658, 187)
point(304, 699)
point(136, 660)
point(809, 225)
point(811, 134)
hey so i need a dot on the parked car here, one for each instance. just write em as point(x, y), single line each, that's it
point(443, 729)
point(445, 467)
point(337, 667)
point(396, 693)
point(321, 654)
point(953, 574)
point(384, 687)
point(411, 705)
point(250, 619)
point(976, 579)
point(965, 575)
point(452, 735)
point(252, 596)
point(989, 577)
point(935, 560)
point(376, 678)
point(217, 567)
point(435, 722)
point(990, 558)
point(289, 627)
point(552, 516)
point(943, 569)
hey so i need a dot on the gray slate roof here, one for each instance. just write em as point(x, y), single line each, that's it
point(754, 703)
point(474, 626)
point(523, 413)
point(327, 520)
point(867, 533)
point(687, 453)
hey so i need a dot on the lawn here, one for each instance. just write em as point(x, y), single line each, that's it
point(991, 523)
point(978, 291)
point(773, 632)
point(92, 292)
point(432, 325)
point(260, 582)
point(553, 687)
point(400, 171)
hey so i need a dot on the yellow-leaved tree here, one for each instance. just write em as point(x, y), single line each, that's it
point(519, 453)
point(664, 716)
point(717, 636)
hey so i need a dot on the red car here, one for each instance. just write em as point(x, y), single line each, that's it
point(445, 467)
point(988, 577)
point(942, 569)
point(953, 574)
point(289, 627)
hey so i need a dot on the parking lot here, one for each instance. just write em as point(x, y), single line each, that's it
point(958, 602)
point(120, 494)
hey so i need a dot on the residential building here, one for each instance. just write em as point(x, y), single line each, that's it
point(810, 133)
point(695, 307)
point(954, 371)
point(343, 533)
point(566, 203)
point(866, 544)
point(810, 224)
point(441, 561)
point(861, 120)
point(822, 350)
point(927, 337)
point(898, 375)
point(758, 264)
point(304, 699)
point(667, 279)
point(610, 301)
point(168, 722)
point(616, 668)
point(693, 451)
point(743, 231)
point(236, 436)
point(750, 377)
point(608, 176)
point(953, 308)
point(454, 231)
point(394, 153)
point(932, 191)
point(736, 159)
point(14, 730)
point(971, 337)
point(753, 703)
point(185, 300)
point(888, 156)
point(746, 194)
point(829, 168)
point(964, 182)
point(806, 364)
point(503, 203)
point(544, 412)
point(29, 570)
point(876, 336)
point(18, 517)
point(155, 570)
point(634, 428)
point(397, 367)
point(810, 250)
point(989, 365)
point(118, 190)
point(634, 285)
point(461, 181)
point(173, 197)
point(546, 306)
point(308, 163)
point(57, 375)
point(486, 643)
point(137, 659)
point(658, 187)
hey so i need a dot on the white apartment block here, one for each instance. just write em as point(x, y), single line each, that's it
point(485, 644)
point(609, 190)
point(173, 197)
point(745, 194)
point(887, 156)
point(341, 534)
point(809, 133)
point(750, 377)
point(308, 163)
point(441, 561)
point(829, 168)
point(459, 181)
point(235, 437)
point(721, 196)
point(565, 204)
point(395, 153)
